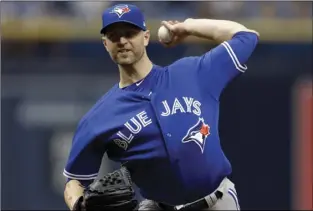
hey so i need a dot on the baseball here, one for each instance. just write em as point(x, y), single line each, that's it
point(164, 34)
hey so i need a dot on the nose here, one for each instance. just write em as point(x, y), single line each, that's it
point(123, 40)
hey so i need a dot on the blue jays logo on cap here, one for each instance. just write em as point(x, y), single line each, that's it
point(120, 10)
point(126, 13)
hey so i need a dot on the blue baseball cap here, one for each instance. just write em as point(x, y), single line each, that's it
point(126, 13)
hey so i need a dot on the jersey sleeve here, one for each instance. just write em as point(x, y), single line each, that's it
point(85, 156)
point(219, 66)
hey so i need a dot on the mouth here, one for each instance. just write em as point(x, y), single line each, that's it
point(123, 51)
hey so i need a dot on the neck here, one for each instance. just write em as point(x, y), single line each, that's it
point(130, 74)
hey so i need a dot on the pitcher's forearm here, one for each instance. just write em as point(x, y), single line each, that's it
point(73, 191)
point(216, 30)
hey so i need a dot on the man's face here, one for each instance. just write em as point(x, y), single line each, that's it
point(125, 42)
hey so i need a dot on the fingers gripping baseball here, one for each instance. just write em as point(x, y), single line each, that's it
point(172, 33)
point(175, 27)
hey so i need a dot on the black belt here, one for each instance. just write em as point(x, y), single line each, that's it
point(196, 205)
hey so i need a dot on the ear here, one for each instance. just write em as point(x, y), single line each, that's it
point(104, 41)
point(146, 36)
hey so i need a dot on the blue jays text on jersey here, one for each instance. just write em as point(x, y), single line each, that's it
point(165, 127)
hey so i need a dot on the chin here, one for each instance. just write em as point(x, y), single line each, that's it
point(125, 61)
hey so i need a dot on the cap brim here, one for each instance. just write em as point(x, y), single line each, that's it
point(120, 21)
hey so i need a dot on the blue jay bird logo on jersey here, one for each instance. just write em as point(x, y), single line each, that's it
point(120, 10)
point(198, 133)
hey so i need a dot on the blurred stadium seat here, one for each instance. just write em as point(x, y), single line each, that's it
point(81, 19)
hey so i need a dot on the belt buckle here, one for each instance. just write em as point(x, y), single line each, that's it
point(203, 203)
point(178, 207)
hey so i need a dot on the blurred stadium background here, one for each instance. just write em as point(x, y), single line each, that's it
point(54, 68)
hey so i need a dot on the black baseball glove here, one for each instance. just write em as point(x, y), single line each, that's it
point(113, 192)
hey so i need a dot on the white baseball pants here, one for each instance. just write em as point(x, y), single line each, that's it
point(229, 201)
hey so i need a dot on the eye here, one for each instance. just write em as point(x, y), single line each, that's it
point(115, 35)
point(131, 33)
point(112, 36)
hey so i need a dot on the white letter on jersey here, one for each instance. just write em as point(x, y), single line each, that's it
point(188, 103)
point(134, 130)
point(167, 109)
point(142, 116)
point(197, 110)
point(176, 106)
point(125, 138)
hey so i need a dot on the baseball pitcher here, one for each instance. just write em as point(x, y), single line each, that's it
point(160, 123)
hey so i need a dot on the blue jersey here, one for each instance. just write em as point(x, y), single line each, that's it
point(165, 127)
